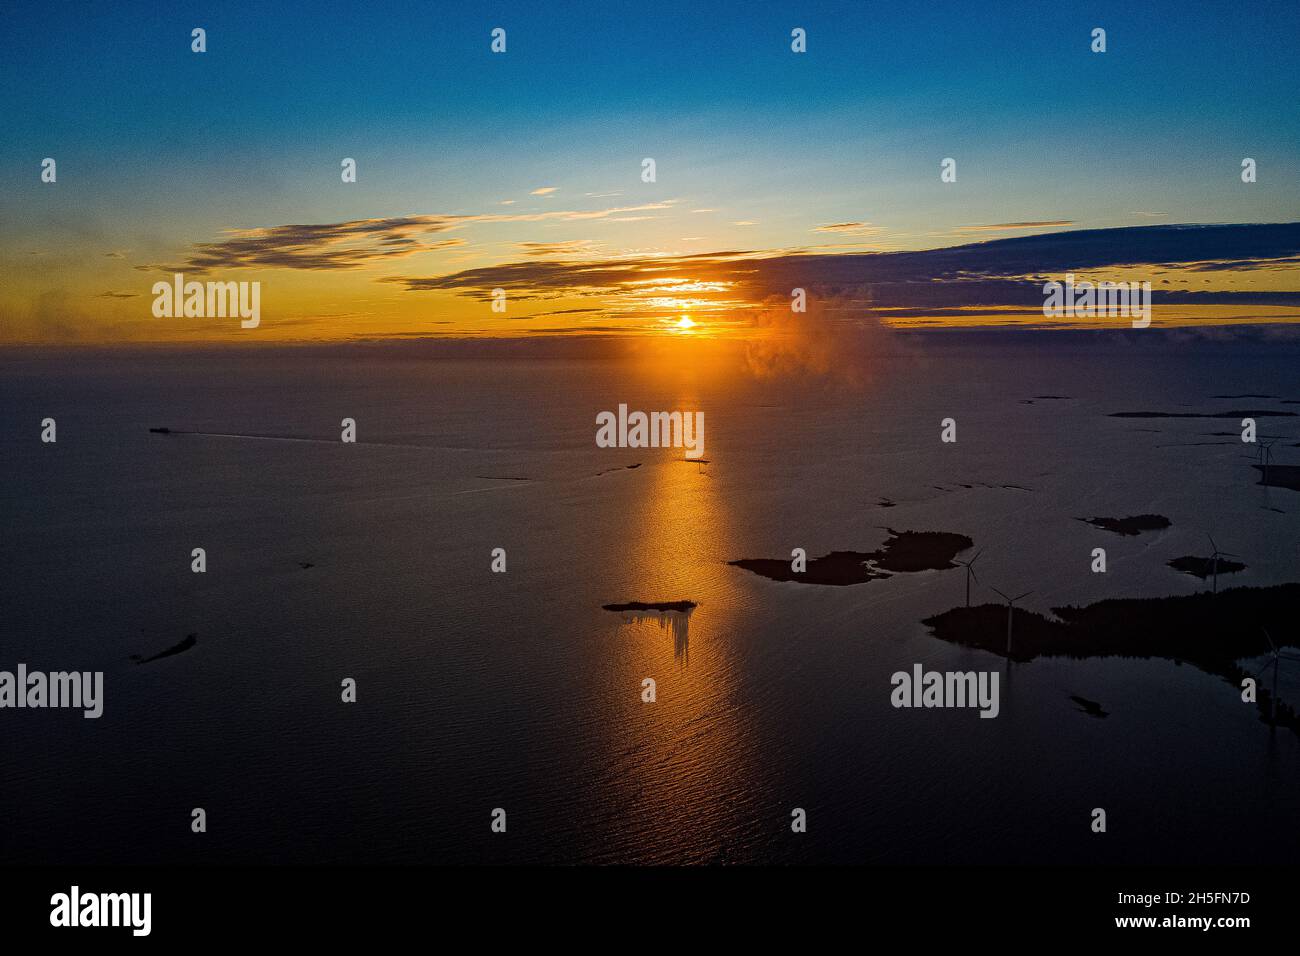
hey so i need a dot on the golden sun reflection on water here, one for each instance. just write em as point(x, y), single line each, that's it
point(690, 748)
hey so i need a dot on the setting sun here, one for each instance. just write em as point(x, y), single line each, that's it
point(685, 322)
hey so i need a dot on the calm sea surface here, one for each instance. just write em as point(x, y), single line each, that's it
point(479, 690)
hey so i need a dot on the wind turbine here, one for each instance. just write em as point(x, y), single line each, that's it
point(970, 572)
point(1214, 562)
point(1266, 456)
point(1011, 603)
point(1278, 657)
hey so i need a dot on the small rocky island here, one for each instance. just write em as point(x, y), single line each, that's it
point(680, 607)
point(1133, 525)
point(1212, 632)
point(905, 551)
point(1204, 568)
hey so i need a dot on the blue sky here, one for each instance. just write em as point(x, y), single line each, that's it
point(160, 148)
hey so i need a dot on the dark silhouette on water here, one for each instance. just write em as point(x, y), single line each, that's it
point(906, 552)
point(1133, 525)
point(180, 648)
point(837, 569)
point(673, 615)
point(1211, 632)
point(1089, 707)
point(679, 606)
point(1279, 476)
point(1236, 413)
point(676, 622)
point(1204, 567)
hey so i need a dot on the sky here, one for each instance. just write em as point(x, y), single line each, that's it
point(522, 170)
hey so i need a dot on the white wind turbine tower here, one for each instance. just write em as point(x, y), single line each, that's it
point(970, 572)
point(1011, 603)
point(1214, 562)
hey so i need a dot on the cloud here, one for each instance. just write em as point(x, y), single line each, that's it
point(533, 279)
point(565, 248)
point(360, 242)
point(540, 315)
point(1008, 226)
point(340, 245)
point(544, 191)
point(856, 228)
point(996, 272)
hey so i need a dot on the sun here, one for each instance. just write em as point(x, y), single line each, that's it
point(685, 322)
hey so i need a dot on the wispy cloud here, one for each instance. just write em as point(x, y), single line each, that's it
point(340, 245)
point(1011, 226)
point(360, 242)
point(544, 191)
point(851, 228)
point(566, 248)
